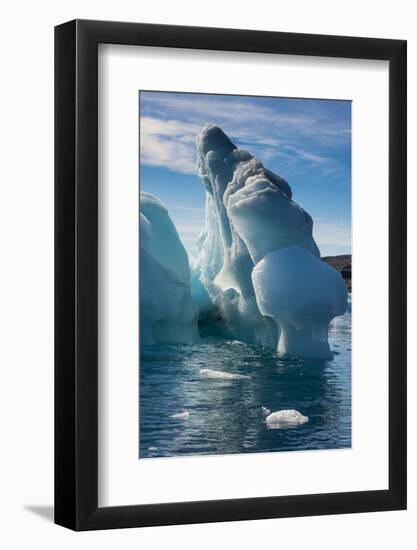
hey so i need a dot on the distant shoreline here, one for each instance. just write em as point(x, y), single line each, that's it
point(343, 264)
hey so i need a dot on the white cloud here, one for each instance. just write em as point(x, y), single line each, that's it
point(239, 116)
point(171, 144)
point(293, 137)
point(332, 233)
point(168, 143)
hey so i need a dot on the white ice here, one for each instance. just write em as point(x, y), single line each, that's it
point(288, 418)
point(167, 311)
point(180, 416)
point(301, 294)
point(209, 373)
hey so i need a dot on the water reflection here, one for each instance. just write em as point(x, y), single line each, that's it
point(225, 415)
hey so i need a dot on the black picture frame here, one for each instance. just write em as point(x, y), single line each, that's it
point(76, 272)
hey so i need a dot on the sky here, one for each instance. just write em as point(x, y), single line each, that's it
point(306, 141)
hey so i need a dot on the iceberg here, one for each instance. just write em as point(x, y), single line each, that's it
point(168, 314)
point(258, 277)
point(250, 216)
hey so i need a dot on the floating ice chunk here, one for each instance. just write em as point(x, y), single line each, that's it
point(180, 416)
point(265, 411)
point(152, 448)
point(167, 312)
point(209, 373)
point(301, 294)
point(288, 418)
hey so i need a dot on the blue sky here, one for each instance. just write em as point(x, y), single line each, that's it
point(306, 141)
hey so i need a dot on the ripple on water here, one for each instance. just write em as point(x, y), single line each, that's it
point(224, 413)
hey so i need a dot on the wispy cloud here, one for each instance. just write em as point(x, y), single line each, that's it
point(168, 143)
point(237, 112)
point(191, 209)
point(170, 122)
point(189, 231)
point(334, 234)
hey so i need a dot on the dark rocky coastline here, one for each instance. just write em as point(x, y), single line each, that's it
point(343, 264)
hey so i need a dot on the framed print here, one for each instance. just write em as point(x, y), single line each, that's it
point(230, 338)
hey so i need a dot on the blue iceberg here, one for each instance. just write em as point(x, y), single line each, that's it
point(168, 314)
point(258, 277)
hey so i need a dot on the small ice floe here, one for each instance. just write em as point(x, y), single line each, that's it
point(209, 373)
point(152, 448)
point(265, 411)
point(289, 418)
point(236, 343)
point(180, 416)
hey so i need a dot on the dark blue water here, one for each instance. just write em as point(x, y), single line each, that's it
point(225, 415)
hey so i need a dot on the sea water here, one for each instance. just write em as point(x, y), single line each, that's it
point(225, 416)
